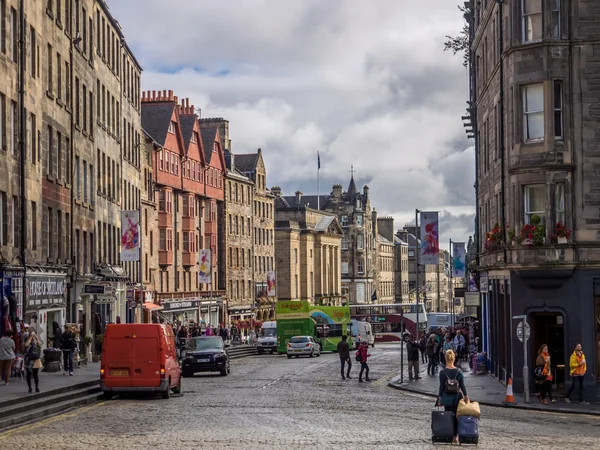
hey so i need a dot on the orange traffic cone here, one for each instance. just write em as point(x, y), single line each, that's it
point(510, 398)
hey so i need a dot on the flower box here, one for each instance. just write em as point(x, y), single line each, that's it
point(561, 240)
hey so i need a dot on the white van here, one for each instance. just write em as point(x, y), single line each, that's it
point(267, 339)
point(362, 331)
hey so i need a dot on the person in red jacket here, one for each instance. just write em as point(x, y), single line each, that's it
point(363, 355)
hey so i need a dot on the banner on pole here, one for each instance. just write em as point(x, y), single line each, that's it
point(204, 269)
point(271, 284)
point(130, 236)
point(459, 254)
point(430, 246)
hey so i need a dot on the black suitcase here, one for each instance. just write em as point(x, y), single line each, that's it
point(468, 430)
point(442, 426)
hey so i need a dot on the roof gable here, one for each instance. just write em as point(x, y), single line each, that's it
point(156, 118)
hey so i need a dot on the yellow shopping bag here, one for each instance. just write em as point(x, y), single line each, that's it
point(468, 409)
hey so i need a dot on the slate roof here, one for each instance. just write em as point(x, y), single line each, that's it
point(352, 189)
point(187, 128)
point(397, 240)
point(383, 239)
point(156, 118)
point(208, 141)
point(310, 199)
point(247, 162)
point(324, 223)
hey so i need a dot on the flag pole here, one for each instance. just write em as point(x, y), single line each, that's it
point(417, 251)
point(318, 173)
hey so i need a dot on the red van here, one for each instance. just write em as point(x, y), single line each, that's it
point(139, 357)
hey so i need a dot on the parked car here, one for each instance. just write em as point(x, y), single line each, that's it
point(303, 346)
point(139, 357)
point(205, 354)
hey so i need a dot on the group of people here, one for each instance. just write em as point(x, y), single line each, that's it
point(544, 377)
point(362, 355)
point(183, 332)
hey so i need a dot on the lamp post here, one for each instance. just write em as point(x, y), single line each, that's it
point(417, 251)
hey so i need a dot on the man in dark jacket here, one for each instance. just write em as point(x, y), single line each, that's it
point(412, 350)
point(344, 352)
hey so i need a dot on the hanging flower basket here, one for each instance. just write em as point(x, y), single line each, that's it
point(561, 234)
point(494, 239)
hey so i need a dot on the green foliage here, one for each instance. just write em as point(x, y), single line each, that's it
point(460, 43)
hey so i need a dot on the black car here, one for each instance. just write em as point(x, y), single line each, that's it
point(205, 354)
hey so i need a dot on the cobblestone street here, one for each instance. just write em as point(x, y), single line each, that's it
point(270, 402)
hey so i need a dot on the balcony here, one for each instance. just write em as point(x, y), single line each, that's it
point(165, 219)
point(165, 258)
point(188, 223)
point(210, 227)
point(524, 256)
point(189, 258)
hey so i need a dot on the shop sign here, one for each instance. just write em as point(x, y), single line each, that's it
point(180, 305)
point(45, 291)
point(94, 289)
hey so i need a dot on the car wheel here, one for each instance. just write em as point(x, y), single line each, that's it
point(372, 345)
point(186, 374)
point(289, 356)
point(319, 354)
point(167, 393)
point(296, 356)
point(224, 372)
point(108, 395)
point(260, 351)
point(228, 370)
point(271, 352)
point(177, 389)
point(312, 353)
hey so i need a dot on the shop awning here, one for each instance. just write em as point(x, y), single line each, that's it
point(152, 307)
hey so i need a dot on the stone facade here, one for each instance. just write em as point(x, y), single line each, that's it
point(385, 270)
point(307, 254)
point(534, 111)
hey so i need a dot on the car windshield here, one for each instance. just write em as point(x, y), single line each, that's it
point(268, 332)
point(298, 340)
point(204, 343)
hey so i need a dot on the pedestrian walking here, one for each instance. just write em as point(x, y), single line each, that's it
point(459, 344)
point(68, 345)
point(344, 353)
point(7, 354)
point(430, 350)
point(412, 353)
point(33, 361)
point(422, 347)
point(448, 345)
point(544, 375)
point(452, 389)
point(57, 334)
point(577, 370)
point(362, 356)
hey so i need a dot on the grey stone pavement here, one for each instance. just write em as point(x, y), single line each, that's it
point(487, 390)
point(17, 387)
point(270, 402)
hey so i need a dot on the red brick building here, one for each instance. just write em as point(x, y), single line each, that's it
point(189, 169)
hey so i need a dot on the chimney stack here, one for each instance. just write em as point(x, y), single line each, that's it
point(337, 191)
point(276, 191)
point(298, 198)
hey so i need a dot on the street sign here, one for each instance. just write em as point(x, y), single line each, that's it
point(520, 331)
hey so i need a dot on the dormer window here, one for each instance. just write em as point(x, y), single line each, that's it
point(172, 127)
point(358, 203)
point(194, 137)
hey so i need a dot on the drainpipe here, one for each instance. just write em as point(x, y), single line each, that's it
point(502, 140)
point(22, 132)
point(71, 170)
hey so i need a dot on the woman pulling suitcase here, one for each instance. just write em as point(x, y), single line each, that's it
point(452, 389)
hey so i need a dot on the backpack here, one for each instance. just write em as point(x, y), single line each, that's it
point(358, 357)
point(452, 385)
point(34, 353)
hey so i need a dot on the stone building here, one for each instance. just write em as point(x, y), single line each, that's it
point(66, 135)
point(307, 253)
point(189, 171)
point(400, 291)
point(534, 111)
point(359, 247)
point(385, 287)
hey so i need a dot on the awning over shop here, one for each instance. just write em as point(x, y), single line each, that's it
point(152, 307)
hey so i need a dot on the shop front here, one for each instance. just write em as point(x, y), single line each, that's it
point(183, 310)
point(211, 312)
point(45, 298)
point(11, 312)
point(240, 313)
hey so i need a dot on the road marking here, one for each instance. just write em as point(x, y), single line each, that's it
point(54, 418)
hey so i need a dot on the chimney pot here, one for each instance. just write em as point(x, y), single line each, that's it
point(171, 95)
point(153, 95)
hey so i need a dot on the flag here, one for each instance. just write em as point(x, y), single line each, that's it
point(430, 247)
point(458, 259)
point(318, 161)
point(204, 268)
point(130, 235)
point(374, 296)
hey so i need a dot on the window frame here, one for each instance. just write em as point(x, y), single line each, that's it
point(524, 18)
point(527, 214)
point(560, 201)
point(558, 109)
point(527, 113)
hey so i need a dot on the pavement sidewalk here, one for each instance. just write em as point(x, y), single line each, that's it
point(487, 390)
point(17, 387)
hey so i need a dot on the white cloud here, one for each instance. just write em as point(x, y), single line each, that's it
point(364, 83)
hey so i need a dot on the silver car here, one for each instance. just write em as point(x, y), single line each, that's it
point(303, 346)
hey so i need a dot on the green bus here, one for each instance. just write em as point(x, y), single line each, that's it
point(326, 324)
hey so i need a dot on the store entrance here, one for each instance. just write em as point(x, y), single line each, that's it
point(548, 328)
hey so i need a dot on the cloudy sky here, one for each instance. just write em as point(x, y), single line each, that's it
point(363, 83)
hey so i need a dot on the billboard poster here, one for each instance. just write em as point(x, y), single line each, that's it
point(459, 253)
point(204, 269)
point(430, 247)
point(271, 284)
point(130, 235)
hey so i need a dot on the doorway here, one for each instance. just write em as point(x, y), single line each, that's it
point(548, 328)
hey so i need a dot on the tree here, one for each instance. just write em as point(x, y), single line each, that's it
point(460, 43)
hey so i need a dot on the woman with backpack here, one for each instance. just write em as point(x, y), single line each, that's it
point(33, 361)
point(543, 375)
point(452, 389)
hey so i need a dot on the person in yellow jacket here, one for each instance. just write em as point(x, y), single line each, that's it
point(577, 366)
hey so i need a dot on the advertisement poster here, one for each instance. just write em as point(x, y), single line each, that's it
point(271, 284)
point(430, 247)
point(204, 269)
point(458, 259)
point(130, 236)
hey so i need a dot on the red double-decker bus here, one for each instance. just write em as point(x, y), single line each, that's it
point(387, 320)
